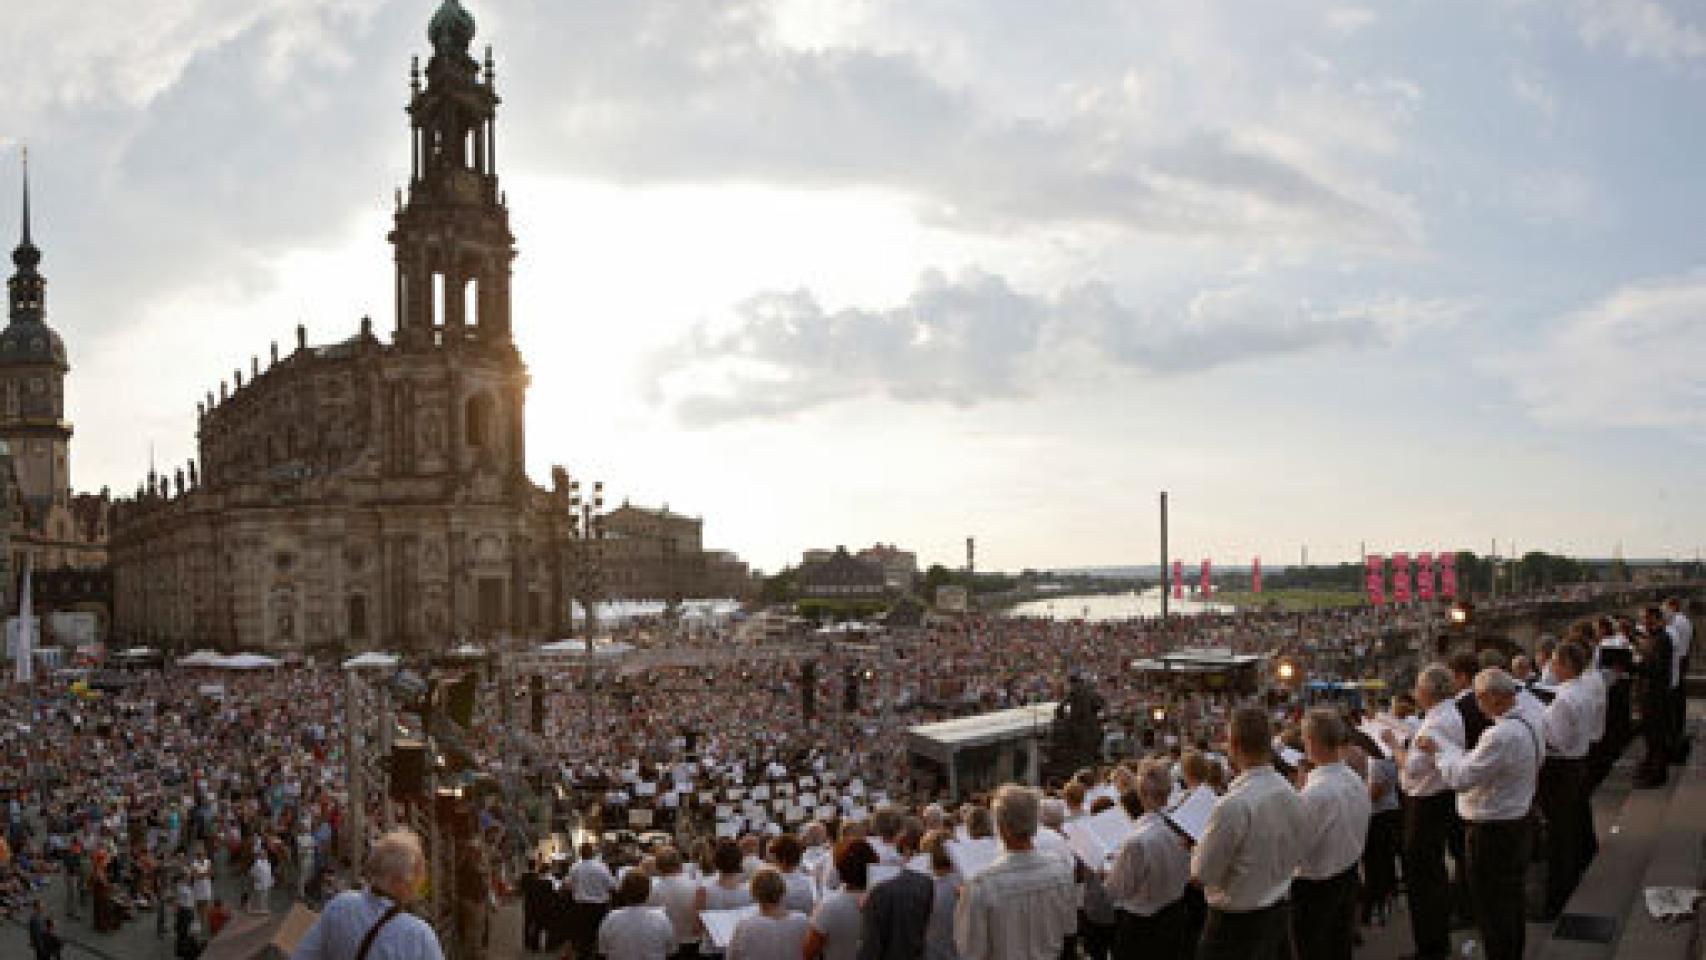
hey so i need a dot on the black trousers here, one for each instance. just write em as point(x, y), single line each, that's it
point(1252, 935)
point(1380, 859)
point(1679, 719)
point(1160, 936)
point(1323, 916)
point(1655, 734)
point(1562, 795)
point(1097, 938)
point(1427, 826)
point(1498, 868)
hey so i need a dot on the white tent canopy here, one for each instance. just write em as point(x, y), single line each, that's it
point(247, 661)
point(201, 658)
point(372, 660)
point(602, 648)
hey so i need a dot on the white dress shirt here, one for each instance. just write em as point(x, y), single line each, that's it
point(1253, 843)
point(1151, 869)
point(1569, 721)
point(592, 881)
point(1336, 810)
point(1681, 638)
point(1444, 725)
point(636, 933)
point(676, 893)
point(1495, 781)
point(1021, 907)
point(1593, 684)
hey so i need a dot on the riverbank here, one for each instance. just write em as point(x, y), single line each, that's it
point(1290, 601)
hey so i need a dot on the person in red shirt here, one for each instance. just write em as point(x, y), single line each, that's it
point(217, 917)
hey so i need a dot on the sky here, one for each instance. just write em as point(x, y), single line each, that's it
point(1408, 275)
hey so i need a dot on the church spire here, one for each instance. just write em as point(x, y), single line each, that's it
point(27, 289)
point(26, 256)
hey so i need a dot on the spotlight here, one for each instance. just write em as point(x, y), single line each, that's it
point(1461, 613)
point(1287, 671)
point(1158, 714)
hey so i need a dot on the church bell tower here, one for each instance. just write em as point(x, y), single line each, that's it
point(32, 378)
point(452, 238)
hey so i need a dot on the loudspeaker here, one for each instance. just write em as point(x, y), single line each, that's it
point(808, 689)
point(459, 700)
point(536, 706)
point(408, 764)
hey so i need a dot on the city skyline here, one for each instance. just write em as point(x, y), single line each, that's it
point(845, 273)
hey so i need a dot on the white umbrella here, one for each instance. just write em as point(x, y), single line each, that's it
point(201, 658)
point(371, 659)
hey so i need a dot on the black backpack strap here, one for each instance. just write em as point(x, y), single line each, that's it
point(367, 941)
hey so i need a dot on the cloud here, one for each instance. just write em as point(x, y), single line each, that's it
point(703, 93)
point(1642, 29)
point(1635, 358)
point(972, 338)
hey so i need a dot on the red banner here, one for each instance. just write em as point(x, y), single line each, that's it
point(1424, 577)
point(1178, 580)
point(1448, 576)
point(1256, 575)
point(1207, 587)
point(1401, 578)
point(1375, 578)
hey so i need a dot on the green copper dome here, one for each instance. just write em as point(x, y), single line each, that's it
point(451, 29)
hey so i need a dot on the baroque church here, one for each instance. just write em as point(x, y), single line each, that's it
point(370, 493)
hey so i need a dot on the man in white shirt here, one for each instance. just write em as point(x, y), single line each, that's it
point(1149, 874)
point(590, 883)
point(1562, 792)
point(396, 870)
point(1249, 850)
point(1429, 814)
point(1336, 810)
point(1495, 784)
point(1023, 905)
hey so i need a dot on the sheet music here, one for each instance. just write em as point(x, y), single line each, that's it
point(1096, 839)
point(720, 924)
point(1191, 815)
point(970, 857)
point(1374, 727)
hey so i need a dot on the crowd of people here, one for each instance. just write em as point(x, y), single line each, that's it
point(1316, 813)
point(136, 799)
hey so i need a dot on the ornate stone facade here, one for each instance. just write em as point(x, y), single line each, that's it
point(46, 522)
point(364, 492)
point(374, 494)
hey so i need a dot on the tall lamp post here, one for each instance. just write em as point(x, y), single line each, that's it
point(586, 525)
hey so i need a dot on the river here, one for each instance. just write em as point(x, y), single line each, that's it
point(1112, 606)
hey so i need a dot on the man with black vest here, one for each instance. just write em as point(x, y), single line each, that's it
point(1653, 678)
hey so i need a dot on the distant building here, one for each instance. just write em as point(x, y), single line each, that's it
point(815, 556)
point(900, 567)
point(951, 598)
point(842, 577)
point(653, 554)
